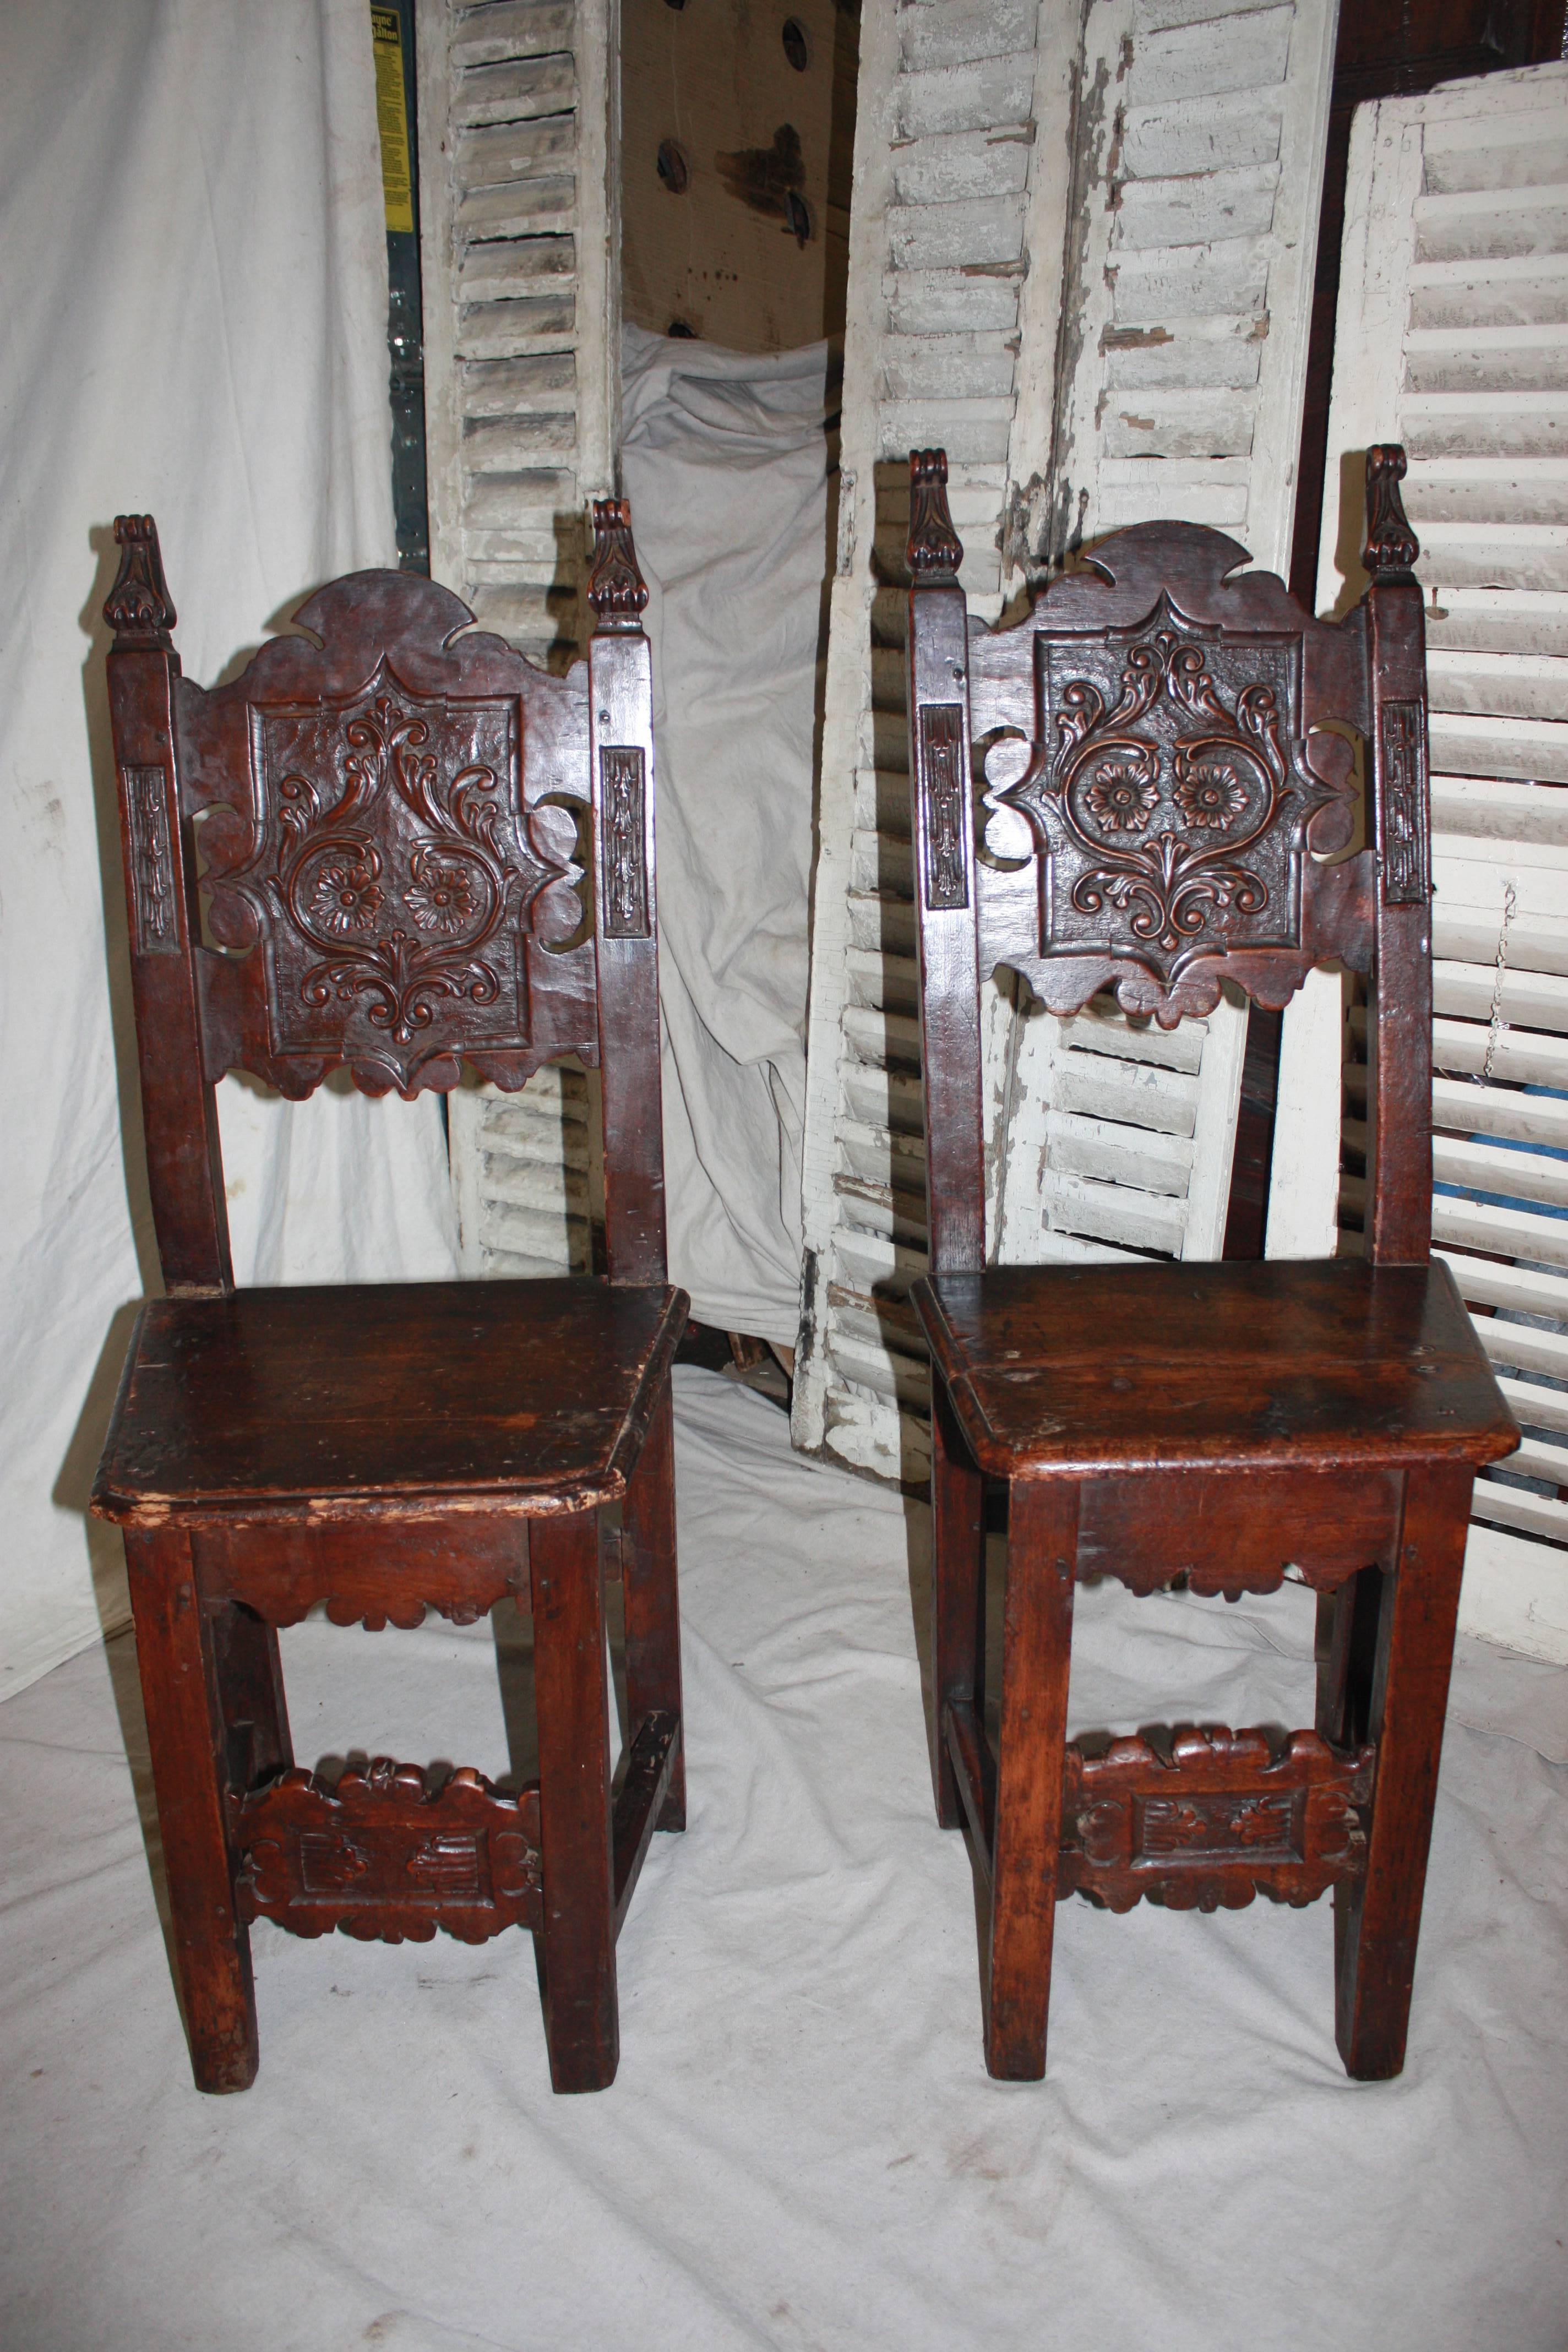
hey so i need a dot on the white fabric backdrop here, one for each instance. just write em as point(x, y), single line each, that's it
point(725, 463)
point(193, 321)
point(802, 2151)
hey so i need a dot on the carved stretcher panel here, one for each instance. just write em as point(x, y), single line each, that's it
point(1223, 1821)
point(382, 1859)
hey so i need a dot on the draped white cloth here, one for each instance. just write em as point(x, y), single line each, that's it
point(725, 463)
point(802, 2148)
point(193, 322)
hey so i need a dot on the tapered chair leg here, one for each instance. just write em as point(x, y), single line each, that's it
point(578, 1939)
point(652, 1607)
point(1377, 1919)
point(1037, 1648)
point(957, 1593)
point(187, 1737)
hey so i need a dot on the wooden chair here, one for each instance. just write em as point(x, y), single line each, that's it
point(1163, 798)
point(388, 822)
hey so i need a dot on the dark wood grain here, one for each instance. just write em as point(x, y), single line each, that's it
point(1277, 1364)
point(651, 1609)
point(945, 881)
point(577, 1936)
point(1037, 1645)
point(1166, 807)
point(381, 1856)
point(415, 852)
point(1377, 1920)
point(1218, 1820)
point(525, 1396)
point(187, 1744)
point(957, 1590)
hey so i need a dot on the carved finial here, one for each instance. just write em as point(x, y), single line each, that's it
point(1391, 544)
point(616, 589)
point(935, 550)
point(138, 608)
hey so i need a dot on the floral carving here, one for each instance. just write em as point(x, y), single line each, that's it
point(1406, 827)
point(622, 787)
point(944, 804)
point(1121, 798)
point(441, 898)
point(1209, 794)
point(144, 796)
point(390, 871)
point(1167, 795)
point(346, 897)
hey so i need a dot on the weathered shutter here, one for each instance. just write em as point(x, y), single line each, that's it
point(1453, 338)
point(520, 180)
point(1191, 208)
point(945, 125)
point(1079, 253)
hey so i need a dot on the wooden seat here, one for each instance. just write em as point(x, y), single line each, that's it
point(416, 850)
point(1271, 1365)
point(462, 1393)
point(1168, 800)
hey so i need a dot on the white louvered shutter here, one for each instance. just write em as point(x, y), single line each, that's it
point(1453, 338)
point(520, 176)
point(1172, 152)
point(945, 126)
point(1192, 202)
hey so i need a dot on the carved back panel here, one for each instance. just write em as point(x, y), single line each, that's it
point(1147, 785)
point(390, 845)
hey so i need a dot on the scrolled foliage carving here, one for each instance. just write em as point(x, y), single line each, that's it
point(1171, 797)
point(391, 875)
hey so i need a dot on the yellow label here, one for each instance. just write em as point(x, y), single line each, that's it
point(391, 121)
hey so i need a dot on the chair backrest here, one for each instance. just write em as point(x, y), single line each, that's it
point(1168, 756)
point(414, 849)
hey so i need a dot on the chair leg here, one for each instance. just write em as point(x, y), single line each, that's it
point(1378, 1918)
point(1037, 1648)
point(578, 1939)
point(652, 1599)
point(250, 1695)
point(186, 1735)
point(957, 1593)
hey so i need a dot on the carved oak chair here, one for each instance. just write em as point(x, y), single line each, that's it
point(388, 823)
point(1164, 802)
